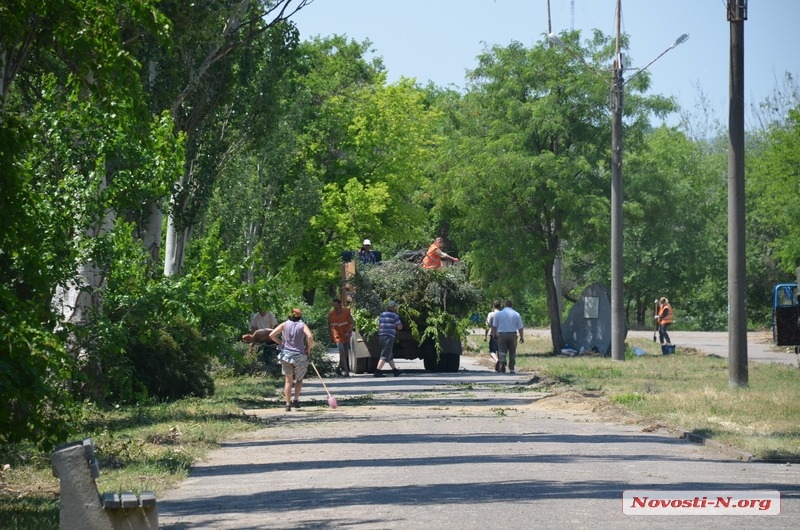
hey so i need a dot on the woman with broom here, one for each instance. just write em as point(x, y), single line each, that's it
point(295, 343)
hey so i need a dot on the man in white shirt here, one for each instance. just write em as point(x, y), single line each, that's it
point(506, 325)
point(262, 319)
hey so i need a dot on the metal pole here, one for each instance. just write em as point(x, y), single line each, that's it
point(737, 279)
point(617, 267)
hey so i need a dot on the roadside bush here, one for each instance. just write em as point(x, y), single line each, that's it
point(242, 360)
point(156, 337)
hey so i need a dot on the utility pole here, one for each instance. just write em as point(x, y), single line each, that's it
point(617, 267)
point(737, 278)
point(618, 326)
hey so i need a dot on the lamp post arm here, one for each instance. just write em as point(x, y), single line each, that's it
point(680, 40)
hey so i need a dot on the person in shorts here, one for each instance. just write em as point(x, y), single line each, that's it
point(295, 340)
point(492, 336)
point(389, 324)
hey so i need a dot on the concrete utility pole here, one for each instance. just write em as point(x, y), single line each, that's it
point(617, 267)
point(737, 278)
point(618, 325)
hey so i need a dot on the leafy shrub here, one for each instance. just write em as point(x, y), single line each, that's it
point(243, 360)
point(156, 337)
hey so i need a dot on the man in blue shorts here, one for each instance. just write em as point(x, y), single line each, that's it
point(389, 324)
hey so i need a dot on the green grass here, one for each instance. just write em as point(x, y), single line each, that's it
point(147, 447)
point(687, 391)
point(153, 446)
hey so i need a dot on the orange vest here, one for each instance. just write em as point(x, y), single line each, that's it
point(432, 260)
point(340, 325)
point(665, 312)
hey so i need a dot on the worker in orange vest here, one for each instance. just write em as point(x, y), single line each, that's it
point(433, 258)
point(664, 319)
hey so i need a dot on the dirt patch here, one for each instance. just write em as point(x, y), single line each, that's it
point(594, 406)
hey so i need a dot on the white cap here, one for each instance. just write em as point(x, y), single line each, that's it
point(367, 242)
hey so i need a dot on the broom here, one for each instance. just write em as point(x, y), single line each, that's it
point(331, 400)
point(656, 330)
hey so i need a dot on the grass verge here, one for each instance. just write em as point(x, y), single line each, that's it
point(147, 447)
point(685, 391)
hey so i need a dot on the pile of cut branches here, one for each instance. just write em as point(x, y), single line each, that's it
point(433, 302)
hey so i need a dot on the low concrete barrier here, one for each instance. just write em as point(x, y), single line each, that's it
point(82, 505)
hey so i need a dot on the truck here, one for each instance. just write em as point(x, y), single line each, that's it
point(433, 305)
point(786, 316)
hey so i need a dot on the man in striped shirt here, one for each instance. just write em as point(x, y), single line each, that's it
point(389, 324)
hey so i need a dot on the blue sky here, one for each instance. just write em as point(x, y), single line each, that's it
point(438, 40)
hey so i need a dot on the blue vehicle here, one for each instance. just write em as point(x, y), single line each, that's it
point(786, 316)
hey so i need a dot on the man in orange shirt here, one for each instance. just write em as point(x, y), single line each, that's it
point(433, 258)
point(340, 325)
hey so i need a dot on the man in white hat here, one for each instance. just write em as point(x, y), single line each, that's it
point(365, 254)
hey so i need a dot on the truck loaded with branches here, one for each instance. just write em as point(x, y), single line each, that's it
point(434, 306)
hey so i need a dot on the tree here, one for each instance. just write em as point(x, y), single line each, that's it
point(674, 239)
point(519, 166)
point(73, 127)
point(526, 163)
point(195, 79)
point(343, 163)
point(772, 192)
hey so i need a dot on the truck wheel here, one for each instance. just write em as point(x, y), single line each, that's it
point(429, 361)
point(451, 362)
point(352, 361)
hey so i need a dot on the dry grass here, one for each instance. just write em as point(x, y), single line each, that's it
point(686, 391)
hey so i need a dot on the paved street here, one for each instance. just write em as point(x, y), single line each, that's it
point(473, 449)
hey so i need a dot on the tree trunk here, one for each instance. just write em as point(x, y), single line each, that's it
point(150, 233)
point(81, 296)
point(175, 247)
point(309, 295)
point(553, 310)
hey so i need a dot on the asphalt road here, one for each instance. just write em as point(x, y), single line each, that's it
point(759, 344)
point(473, 449)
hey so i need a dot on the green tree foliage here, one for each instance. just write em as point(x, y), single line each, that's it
point(772, 212)
point(520, 166)
point(370, 185)
point(197, 79)
point(34, 401)
point(775, 188)
point(433, 303)
point(343, 164)
point(671, 249)
point(75, 133)
point(158, 337)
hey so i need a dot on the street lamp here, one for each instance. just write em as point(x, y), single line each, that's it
point(617, 267)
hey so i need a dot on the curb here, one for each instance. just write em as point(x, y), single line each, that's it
point(732, 451)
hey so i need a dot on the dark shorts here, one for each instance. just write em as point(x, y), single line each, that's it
point(387, 347)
